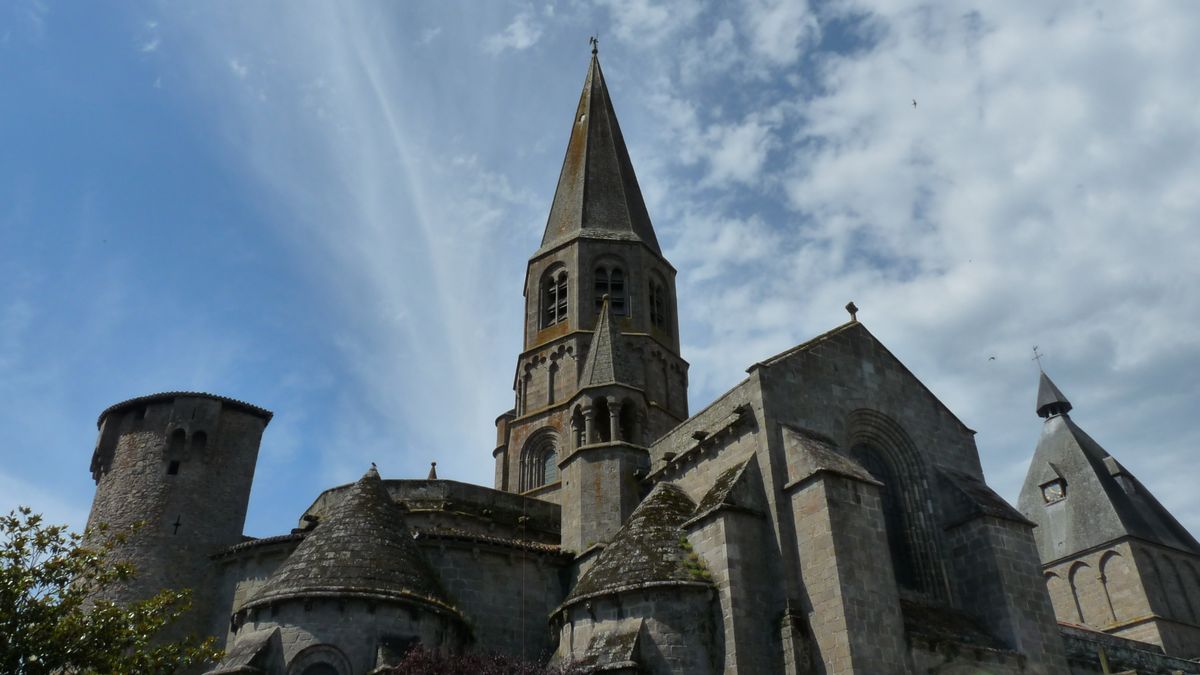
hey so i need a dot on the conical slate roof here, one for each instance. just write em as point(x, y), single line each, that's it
point(1050, 400)
point(604, 363)
point(1099, 500)
point(598, 194)
point(360, 549)
point(650, 549)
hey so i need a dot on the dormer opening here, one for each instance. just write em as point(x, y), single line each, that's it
point(1054, 491)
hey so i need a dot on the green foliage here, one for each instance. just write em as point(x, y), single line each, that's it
point(51, 621)
point(693, 563)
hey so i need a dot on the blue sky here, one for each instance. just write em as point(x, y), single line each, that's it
point(325, 209)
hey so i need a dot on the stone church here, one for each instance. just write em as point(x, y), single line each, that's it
point(826, 515)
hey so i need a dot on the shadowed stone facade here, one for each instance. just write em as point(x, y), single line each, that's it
point(827, 515)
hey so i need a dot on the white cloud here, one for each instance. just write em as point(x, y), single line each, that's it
point(239, 69)
point(522, 33)
point(1039, 193)
point(738, 151)
point(780, 30)
point(650, 22)
point(428, 35)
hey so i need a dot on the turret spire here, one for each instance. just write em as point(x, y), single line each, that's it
point(598, 194)
point(1050, 401)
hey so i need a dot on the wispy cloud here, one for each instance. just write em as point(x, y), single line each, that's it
point(428, 35)
point(522, 33)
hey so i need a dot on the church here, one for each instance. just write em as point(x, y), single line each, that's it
point(828, 514)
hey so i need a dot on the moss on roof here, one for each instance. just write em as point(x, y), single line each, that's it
point(360, 549)
point(650, 549)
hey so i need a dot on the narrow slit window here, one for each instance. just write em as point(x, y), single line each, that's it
point(658, 306)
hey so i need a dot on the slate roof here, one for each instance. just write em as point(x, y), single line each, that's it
point(974, 497)
point(598, 194)
point(1103, 501)
point(649, 550)
point(361, 548)
point(604, 364)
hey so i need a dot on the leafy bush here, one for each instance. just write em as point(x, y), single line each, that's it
point(51, 621)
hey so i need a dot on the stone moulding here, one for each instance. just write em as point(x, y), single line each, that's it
point(361, 593)
point(631, 588)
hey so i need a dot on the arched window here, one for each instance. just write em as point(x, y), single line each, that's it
point(175, 451)
point(549, 467)
point(602, 425)
point(610, 281)
point(178, 439)
point(659, 309)
point(628, 423)
point(893, 514)
point(579, 427)
point(884, 449)
point(539, 460)
point(554, 297)
point(320, 660)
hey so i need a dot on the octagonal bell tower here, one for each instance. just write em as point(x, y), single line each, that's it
point(597, 289)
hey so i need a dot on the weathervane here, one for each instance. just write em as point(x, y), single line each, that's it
point(1038, 357)
point(595, 43)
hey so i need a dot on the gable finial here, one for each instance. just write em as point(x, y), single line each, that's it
point(853, 309)
point(595, 43)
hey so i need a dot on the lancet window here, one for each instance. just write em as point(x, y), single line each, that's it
point(554, 298)
point(658, 305)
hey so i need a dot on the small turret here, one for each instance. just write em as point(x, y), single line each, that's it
point(1050, 401)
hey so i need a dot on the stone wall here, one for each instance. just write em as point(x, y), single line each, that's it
point(240, 572)
point(996, 577)
point(348, 633)
point(599, 491)
point(734, 546)
point(852, 602)
point(676, 630)
point(1131, 589)
point(505, 593)
point(432, 504)
point(1091, 653)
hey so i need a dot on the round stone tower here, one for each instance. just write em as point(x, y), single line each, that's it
point(181, 464)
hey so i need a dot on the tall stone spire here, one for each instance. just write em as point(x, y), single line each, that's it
point(598, 194)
